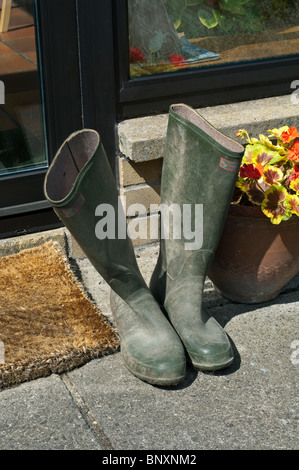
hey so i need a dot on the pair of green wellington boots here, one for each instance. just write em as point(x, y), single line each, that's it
point(160, 325)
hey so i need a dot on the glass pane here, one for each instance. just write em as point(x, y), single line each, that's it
point(171, 35)
point(21, 129)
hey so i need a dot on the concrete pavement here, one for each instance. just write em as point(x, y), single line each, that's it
point(252, 405)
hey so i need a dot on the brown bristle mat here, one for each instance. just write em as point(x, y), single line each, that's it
point(47, 323)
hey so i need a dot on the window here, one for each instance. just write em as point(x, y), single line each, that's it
point(172, 35)
point(205, 52)
point(21, 128)
point(39, 71)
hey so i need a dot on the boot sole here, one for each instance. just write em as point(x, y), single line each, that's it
point(212, 367)
point(158, 382)
point(162, 381)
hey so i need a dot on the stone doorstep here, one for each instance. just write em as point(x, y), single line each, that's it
point(142, 139)
point(69, 247)
point(13, 245)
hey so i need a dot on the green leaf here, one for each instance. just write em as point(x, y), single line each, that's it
point(177, 23)
point(207, 17)
point(293, 204)
point(255, 195)
point(234, 6)
point(275, 205)
point(219, 17)
point(175, 9)
point(237, 196)
point(191, 3)
point(278, 159)
point(262, 154)
point(177, 5)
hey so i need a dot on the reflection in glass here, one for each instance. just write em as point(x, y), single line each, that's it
point(21, 128)
point(171, 35)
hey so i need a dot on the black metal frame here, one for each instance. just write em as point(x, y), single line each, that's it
point(97, 70)
point(76, 86)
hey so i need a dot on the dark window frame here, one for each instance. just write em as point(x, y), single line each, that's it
point(77, 91)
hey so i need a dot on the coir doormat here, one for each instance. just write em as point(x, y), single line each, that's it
point(47, 323)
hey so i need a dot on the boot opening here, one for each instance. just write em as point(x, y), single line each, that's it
point(192, 116)
point(71, 158)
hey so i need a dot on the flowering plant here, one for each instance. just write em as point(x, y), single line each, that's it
point(269, 173)
point(136, 55)
point(139, 65)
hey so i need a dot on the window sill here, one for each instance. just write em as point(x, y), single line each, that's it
point(142, 139)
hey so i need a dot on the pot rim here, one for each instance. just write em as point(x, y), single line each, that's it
point(236, 210)
point(246, 211)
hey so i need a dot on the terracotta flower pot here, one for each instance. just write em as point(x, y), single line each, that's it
point(255, 259)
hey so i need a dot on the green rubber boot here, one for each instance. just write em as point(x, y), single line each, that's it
point(80, 187)
point(199, 171)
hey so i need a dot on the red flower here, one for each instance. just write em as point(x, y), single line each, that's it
point(176, 59)
point(288, 136)
point(136, 55)
point(293, 176)
point(293, 152)
point(250, 171)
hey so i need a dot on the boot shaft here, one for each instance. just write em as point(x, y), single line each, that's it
point(78, 183)
point(200, 168)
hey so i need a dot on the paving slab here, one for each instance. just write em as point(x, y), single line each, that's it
point(250, 406)
point(42, 415)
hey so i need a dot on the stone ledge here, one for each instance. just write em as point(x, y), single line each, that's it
point(142, 139)
point(68, 245)
point(13, 245)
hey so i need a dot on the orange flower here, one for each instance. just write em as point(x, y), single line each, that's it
point(293, 152)
point(288, 136)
